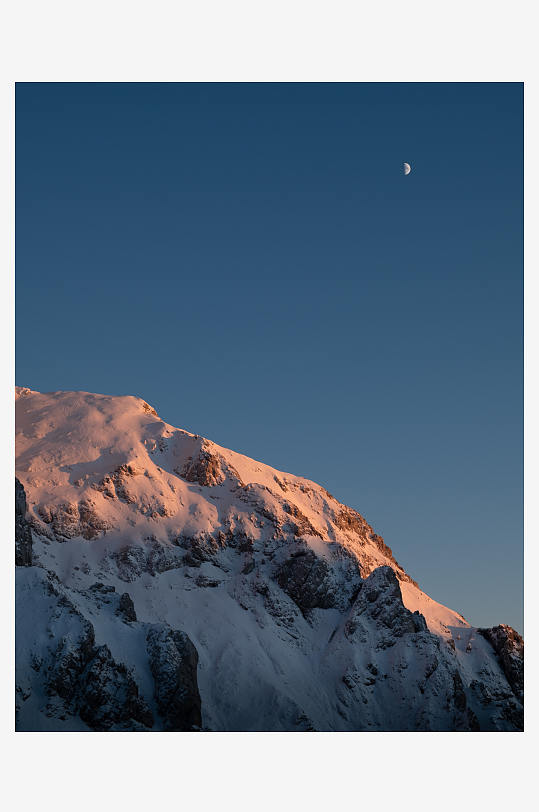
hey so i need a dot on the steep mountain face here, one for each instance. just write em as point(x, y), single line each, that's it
point(23, 535)
point(166, 583)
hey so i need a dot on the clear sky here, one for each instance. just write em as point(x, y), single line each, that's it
point(252, 261)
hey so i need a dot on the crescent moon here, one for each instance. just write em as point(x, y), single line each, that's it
point(407, 169)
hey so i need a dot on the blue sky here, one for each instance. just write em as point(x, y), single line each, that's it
point(251, 260)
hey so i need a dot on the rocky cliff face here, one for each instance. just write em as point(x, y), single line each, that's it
point(68, 679)
point(23, 535)
point(509, 646)
point(173, 663)
point(294, 614)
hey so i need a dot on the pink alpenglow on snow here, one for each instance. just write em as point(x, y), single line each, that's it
point(167, 583)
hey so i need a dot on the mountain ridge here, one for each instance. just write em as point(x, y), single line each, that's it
point(117, 494)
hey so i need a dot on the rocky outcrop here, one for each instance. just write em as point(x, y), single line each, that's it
point(305, 578)
point(282, 514)
point(133, 560)
point(73, 651)
point(149, 409)
point(208, 468)
point(109, 697)
point(315, 583)
point(204, 469)
point(116, 484)
point(91, 684)
point(394, 654)
point(173, 663)
point(380, 600)
point(67, 520)
point(352, 522)
point(23, 535)
point(126, 609)
point(509, 647)
point(464, 719)
point(78, 677)
point(201, 547)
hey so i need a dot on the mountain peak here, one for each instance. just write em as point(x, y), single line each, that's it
point(231, 551)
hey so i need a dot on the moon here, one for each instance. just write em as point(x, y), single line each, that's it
point(407, 169)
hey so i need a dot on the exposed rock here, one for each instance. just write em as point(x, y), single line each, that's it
point(23, 534)
point(248, 567)
point(283, 514)
point(91, 523)
point(204, 469)
point(131, 562)
point(277, 603)
point(64, 519)
point(84, 679)
point(149, 409)
point(154, 557)
point(173, 662)
point(201, 547)
point(102, 588)
point(63, 663)
point(419, 621)
point(264, 502)
point(305, 578)
point(20, 499)
point(109, 695)
point(315, 583)
point(351, 521)
point(379, 542)
point(39, 527)
point(206, 581)
point(473, 722)
point(115, 484)
point(73, 652)
point(280, 483)
point(380, 599)
point(403, 653)
point(465, 719)
point(432, 665)
point(459, 697)
point(300, 525)
point(509, 646)
point(126, 608)
point(207, 468)
point(304, 723)
point(69, 520)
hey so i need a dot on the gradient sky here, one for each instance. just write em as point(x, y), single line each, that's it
point(252, 261)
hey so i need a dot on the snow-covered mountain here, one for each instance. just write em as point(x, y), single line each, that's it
point(166, 583)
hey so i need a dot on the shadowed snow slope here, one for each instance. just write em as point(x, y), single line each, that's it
point(259, 601)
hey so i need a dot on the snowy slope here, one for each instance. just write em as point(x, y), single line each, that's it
point(301, 616)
